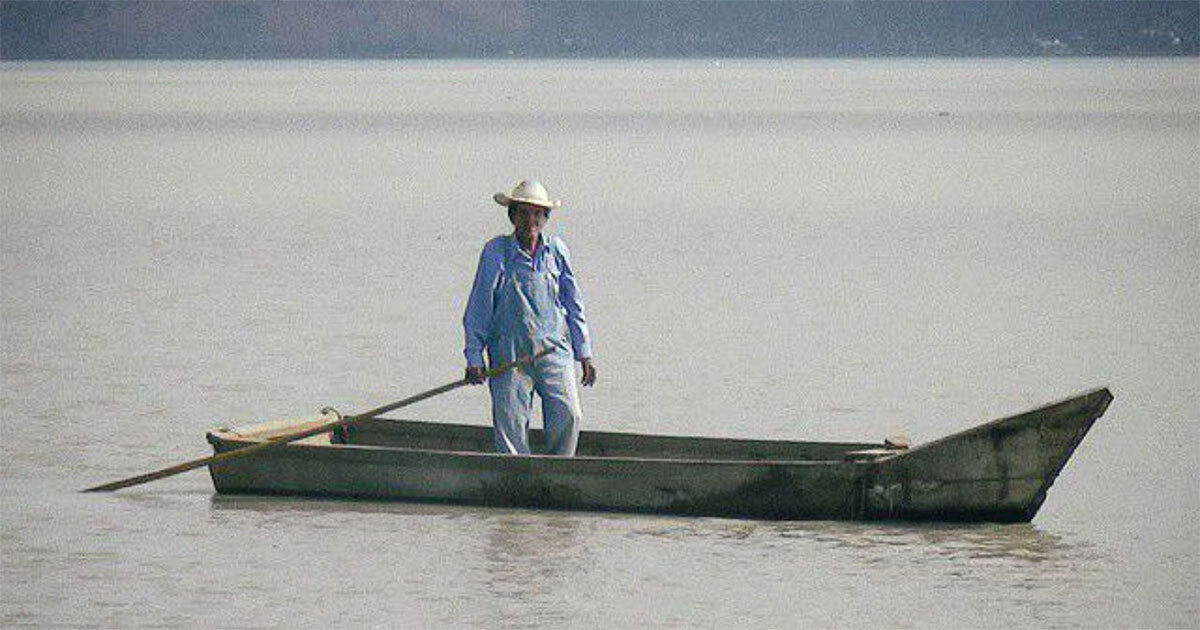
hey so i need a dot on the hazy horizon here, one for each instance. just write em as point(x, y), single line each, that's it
point(141, 29)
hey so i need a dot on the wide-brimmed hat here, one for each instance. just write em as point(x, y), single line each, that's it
point(527, 191)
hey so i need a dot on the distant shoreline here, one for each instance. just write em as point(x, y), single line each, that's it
point(618, 29)
point(600, 59)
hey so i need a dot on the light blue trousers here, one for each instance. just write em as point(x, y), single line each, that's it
point(553, 379)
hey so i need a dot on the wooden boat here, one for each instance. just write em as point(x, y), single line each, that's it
point(999, 471)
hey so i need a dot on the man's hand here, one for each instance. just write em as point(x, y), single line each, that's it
point(589, 372)
point(475, 375)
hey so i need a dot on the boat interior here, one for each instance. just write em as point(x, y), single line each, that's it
point(393, 433)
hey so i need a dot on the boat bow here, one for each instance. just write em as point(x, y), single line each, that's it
point(999, 471)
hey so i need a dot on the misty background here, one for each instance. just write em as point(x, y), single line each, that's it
point(537, 29)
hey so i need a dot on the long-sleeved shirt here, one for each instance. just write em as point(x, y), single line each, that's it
point(477, 321)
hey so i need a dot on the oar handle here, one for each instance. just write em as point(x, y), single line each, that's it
point(299, 435)
point(496, 371)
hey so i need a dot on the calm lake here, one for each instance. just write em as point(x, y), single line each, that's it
point(805, 250)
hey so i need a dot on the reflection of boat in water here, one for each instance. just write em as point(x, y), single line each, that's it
point(999, 471)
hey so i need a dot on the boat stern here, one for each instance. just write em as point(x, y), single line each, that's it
point(233, 476)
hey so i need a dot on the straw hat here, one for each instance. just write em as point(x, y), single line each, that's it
point(527, 191)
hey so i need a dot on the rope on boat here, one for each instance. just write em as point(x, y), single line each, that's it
point(341, 433)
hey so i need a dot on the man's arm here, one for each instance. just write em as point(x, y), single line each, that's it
point(572, 300)
point(477, 320)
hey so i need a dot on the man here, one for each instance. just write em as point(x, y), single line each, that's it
point(525, 298)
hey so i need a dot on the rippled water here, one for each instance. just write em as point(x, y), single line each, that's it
point(805, 250)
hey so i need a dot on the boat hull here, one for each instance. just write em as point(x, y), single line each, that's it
point(999, 471)
point(996, 472)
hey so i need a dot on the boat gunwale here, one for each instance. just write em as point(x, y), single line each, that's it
point(992, 424)
point(349, 448)
point(232, 436)
point(222, 436)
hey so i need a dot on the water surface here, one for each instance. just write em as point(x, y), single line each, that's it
point(805, 250)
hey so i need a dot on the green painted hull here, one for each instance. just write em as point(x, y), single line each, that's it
point(999, 471)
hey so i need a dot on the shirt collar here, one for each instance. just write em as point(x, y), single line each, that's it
point(542, 246)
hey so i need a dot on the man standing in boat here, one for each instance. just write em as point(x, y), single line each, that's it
point(526, 298)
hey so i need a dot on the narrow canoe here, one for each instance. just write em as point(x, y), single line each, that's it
point(999, 471)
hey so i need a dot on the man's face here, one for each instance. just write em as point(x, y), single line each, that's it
point(528, 219)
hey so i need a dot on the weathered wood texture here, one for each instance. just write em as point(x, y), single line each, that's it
point(998, 471)
point(995, 472)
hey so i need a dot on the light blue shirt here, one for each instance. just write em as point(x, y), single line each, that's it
point(477, 321)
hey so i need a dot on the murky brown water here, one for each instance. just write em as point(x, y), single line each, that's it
point(806, 250)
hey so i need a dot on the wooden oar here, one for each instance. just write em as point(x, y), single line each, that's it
point(278, 441)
